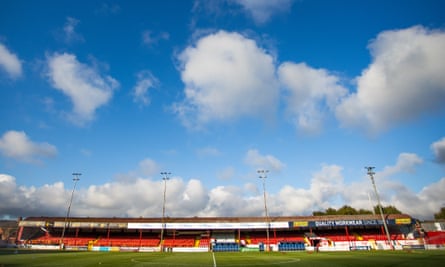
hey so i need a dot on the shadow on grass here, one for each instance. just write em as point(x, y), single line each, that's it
point(11, 251)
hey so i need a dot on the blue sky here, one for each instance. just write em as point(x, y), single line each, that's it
point(213, 91)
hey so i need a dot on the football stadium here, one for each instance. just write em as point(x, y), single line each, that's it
point(329, 240)
point(229, 234)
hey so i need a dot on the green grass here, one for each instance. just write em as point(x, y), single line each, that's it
point(11, 257)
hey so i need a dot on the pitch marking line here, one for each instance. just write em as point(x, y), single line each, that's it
point(157, 263)
point(214, 260)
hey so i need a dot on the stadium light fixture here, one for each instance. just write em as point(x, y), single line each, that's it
point(371, 176)
point(263, 176)
point(75, 179)
point(165, 178)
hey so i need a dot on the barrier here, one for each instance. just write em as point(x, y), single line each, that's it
point(409, 247)
point(360, 248)
point(194, 249)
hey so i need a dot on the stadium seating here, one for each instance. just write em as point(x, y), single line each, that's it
point(225, 247)
point(257, 237)
point(179, 241)
point(291, 246)
point(435, 238)
point(289, 236)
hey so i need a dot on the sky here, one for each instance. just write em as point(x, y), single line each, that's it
point(311, 91)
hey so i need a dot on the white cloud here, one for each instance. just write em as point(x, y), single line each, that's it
point(406, 162)
point(326, 185)
point(10, 62)
point(30, 201)
point(194, 199)
point(144, 197)
point(230, 201)
point(262, 10)
point(226, 76)
point(87, 89)
point(423, 204)
point(145, 81)
point(438, 148)
point(311, 94)
point(17, 145)
point(292, 201)
point(10, 197)
point(404, 81)
point(69, 30)
point(392, 192)
point(141, 197)
point(255, 159)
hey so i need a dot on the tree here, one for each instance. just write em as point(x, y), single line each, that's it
point(347, 210)
point(440, 214)
point(363, 211)
point(331, 211)
point(387, 210)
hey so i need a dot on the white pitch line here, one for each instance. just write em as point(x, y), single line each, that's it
point(214, 260)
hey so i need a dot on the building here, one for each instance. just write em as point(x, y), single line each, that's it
point(338, 232)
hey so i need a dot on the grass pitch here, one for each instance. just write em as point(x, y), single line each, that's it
point(15, 258)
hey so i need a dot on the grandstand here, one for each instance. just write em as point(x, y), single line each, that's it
point(320, 233)
point(434, 233)
point(8, 232)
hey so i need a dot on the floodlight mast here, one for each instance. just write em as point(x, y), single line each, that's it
point(75, 179)
point(263, 176)
point(165, 178)
point(371, 176)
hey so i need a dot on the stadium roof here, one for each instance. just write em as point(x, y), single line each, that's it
point(221, 219)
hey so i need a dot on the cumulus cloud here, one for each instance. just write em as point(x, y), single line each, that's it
point(387, 186)
point(255, 159)
point(145, 81)
point(143, 197)
point(230, 201)
point(262, 10)
point(18, 200)
point(404, 81)
point(9, 62)
point(393, 192)
point(86, 87)
point(194, 199)
point(18, 146)
point(326, 185)
point(311, 94)
point(226, 76)
point(438, 148)
point(423, 204)
point(406, 162)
